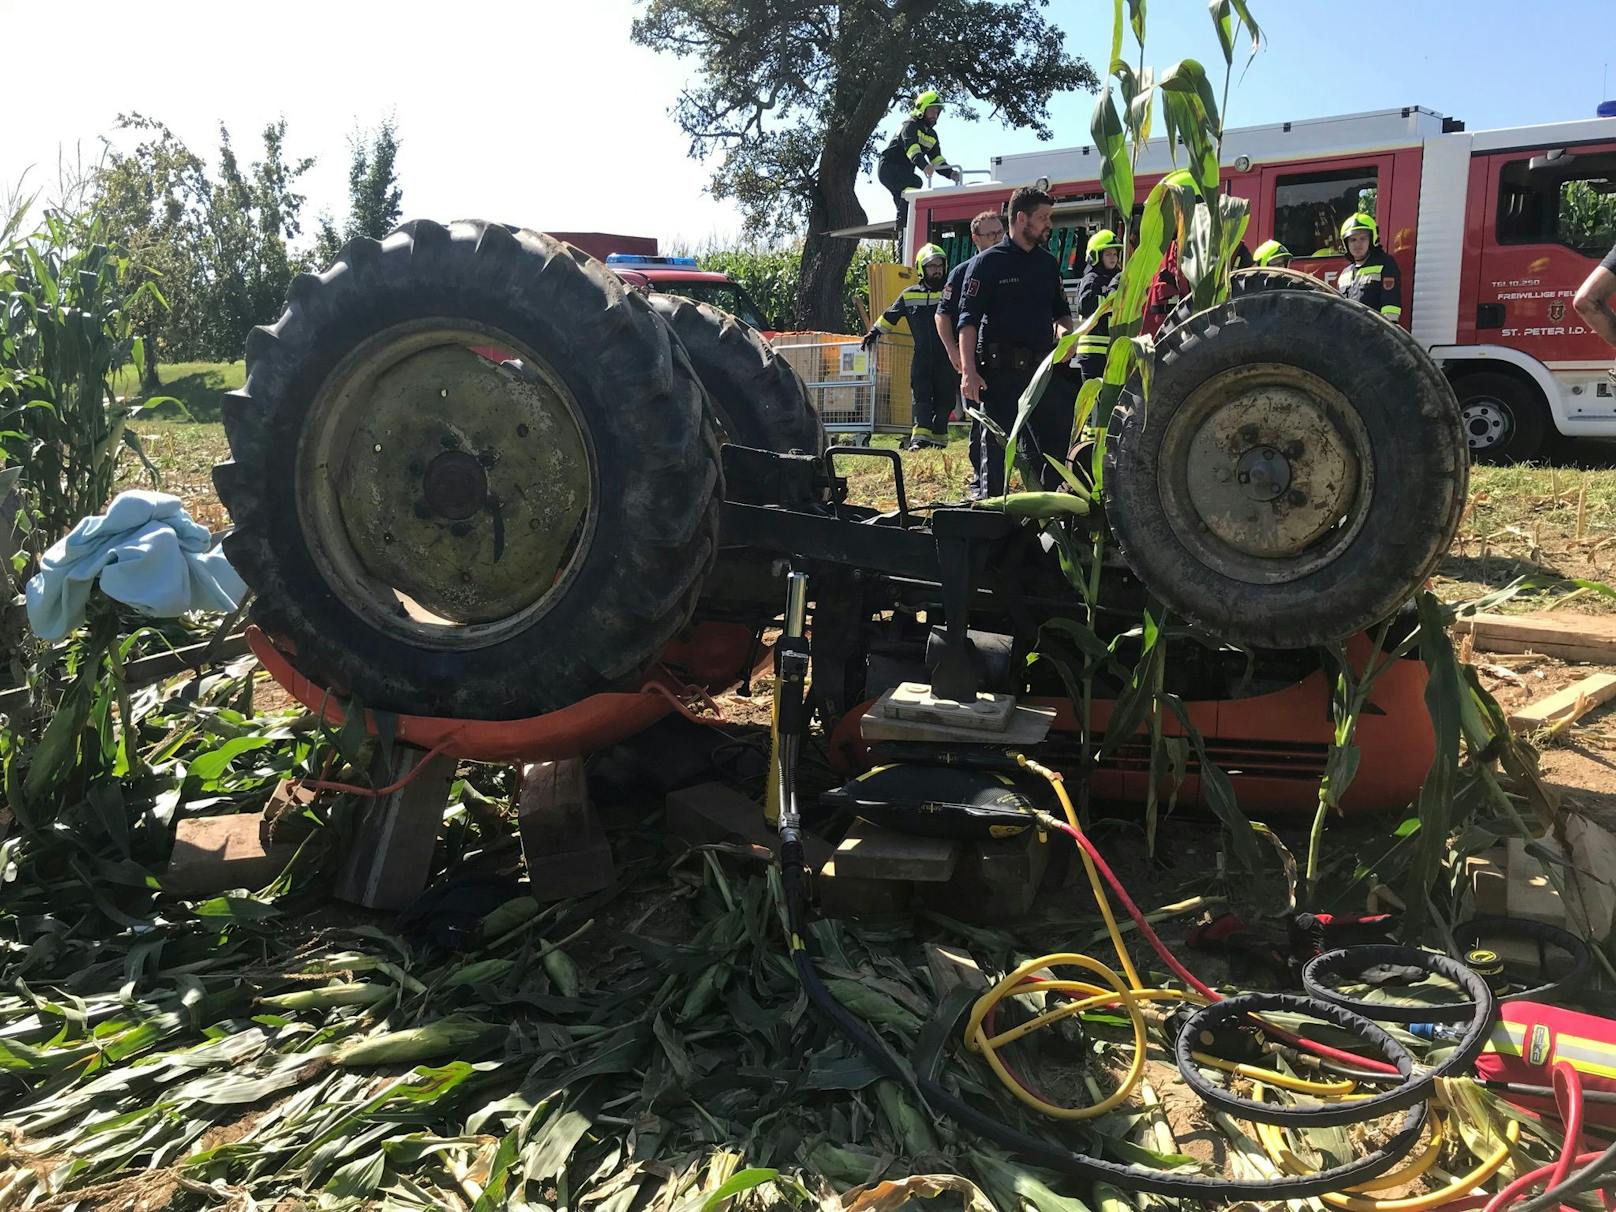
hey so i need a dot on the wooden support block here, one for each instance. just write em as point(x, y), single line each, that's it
point(715, 812)
point(852, 896)
point(872, 852)
point(283, 819)
point(994, 881)
point(214, 854)
point(1566, 705)
point(1560, 634)
point(563, 843)
point(392, 850)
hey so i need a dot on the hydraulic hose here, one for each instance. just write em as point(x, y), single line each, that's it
point(1471, 933)
point(1480, 1010)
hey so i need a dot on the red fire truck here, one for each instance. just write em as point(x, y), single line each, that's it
point(1494, 231)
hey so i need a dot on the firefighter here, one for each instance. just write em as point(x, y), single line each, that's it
point(1371, 276)
point(1100, 277)
point(1011, 307)
point(915, 150)
point(932, 377)
point(1273, 254)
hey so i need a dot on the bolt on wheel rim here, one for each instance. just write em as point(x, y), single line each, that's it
point(446, 498)
point(1266, 473)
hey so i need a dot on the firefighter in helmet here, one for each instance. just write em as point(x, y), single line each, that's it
point(1271, 254)
point(915, 150)
point(1102, 272)
point(932, 377)
point(1371, 276)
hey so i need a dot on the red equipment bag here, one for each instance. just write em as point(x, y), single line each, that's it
point(1530, 1037)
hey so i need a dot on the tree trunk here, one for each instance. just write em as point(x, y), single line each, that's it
point(825, 258)
point(150, 384)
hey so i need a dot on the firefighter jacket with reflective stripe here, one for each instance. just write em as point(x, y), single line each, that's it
point(917, 304)
point(1094, 288)
point(1376, 282)
point(917, 143)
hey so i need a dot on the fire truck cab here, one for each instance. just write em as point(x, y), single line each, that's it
point(1494, 231)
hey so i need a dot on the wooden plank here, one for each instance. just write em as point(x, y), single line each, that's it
point(392, 849)
point(1562, 634)
point(155, 668)
point(714, 812)
point(1565, 705)
point(563, 843)
point(872, 852)
point(214, 854)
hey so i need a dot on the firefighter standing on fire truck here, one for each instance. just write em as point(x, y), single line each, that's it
point(932, 377)
point(915, 150)
point(1371, 276)
point(1099, 282)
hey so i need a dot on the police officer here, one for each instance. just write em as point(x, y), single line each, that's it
point(932, 377)
point(1011, 306)
point(915, 150)
point(1271, 253)
point(1371, 276)
point(1103, 262)
point(987, 229)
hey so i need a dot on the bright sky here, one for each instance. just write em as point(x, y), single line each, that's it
point(546, 114)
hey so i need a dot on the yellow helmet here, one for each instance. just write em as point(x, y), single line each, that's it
point(925, 101)
point(1100, 241)
point(1272, 252)
point(1360, 222)
point(929, 252)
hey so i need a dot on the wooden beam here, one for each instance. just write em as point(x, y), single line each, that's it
point(155, 668)
point(1561, 634)
point(1564, 706)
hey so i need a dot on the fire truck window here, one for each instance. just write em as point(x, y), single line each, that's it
point(1568, 200)
point(1310, 208)
point(723, 295)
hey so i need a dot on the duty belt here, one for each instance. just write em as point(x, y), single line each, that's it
point(1014, 357)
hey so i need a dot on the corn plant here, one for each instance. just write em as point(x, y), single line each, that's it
point(66, 329)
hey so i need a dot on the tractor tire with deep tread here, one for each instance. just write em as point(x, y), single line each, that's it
point(1505, 420)
point(1250, 281)
point(641, 527)
point(757, 398)
point(1296, 473)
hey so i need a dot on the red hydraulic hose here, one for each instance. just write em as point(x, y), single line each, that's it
point(1568, 1098)
point(1193, 981)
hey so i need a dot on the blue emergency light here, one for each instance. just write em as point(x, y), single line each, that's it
point(638, 259)
point(1607, 109)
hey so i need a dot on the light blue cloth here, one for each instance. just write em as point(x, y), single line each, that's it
point(148, 553)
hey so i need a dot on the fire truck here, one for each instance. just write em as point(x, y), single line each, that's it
point(1494, 231)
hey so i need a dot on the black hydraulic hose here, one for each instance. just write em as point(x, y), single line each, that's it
point(1320, 973)
point(1078, 1165)
point(1547, 1092)
point(1469, 934)
point(1413, 1090)
point(1599, 1174)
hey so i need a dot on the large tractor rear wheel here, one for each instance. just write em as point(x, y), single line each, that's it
point(1295, 474)
point(1250, 282)
point(757, 398)
point(434, 530)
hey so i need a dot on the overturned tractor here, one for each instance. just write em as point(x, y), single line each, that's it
point(478, 483)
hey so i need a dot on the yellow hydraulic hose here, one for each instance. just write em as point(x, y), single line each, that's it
point(1356, 1199)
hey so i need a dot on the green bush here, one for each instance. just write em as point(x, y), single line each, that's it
point(770, 276)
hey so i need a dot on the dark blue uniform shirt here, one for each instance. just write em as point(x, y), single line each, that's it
point(1013, 297)
point(951, 291)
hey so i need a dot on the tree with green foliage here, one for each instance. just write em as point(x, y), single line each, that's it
point(375, 198)
point(216, 247)
point(794, 95)
point(152, 201)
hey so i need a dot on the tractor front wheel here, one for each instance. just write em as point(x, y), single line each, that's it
point(1295, 474)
